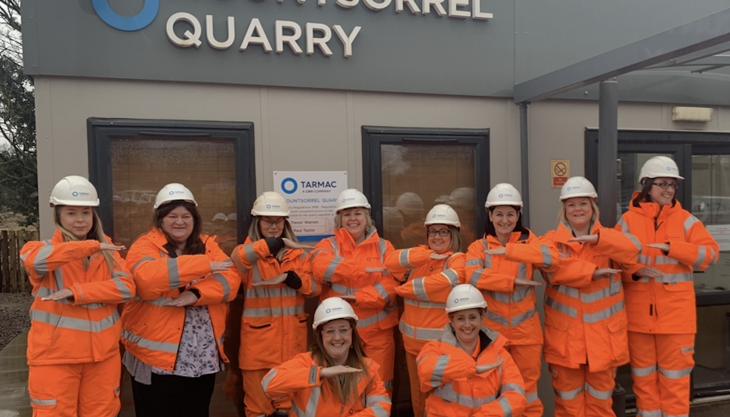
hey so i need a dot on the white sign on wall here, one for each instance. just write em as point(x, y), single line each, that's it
point(312, 198)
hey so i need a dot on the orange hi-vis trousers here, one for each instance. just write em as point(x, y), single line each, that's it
point(257, 403)
point(660, 367)
point(76, 390)
point(528, 359)
point(381, 349)
point(418, 397)
point(579, 392)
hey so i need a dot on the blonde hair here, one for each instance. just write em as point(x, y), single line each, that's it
point(254, 232)
point(369, 223)
point(96, 233)
point(455, 245)
point(563, 217)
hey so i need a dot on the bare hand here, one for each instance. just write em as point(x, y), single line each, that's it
point(59, 295)
point(295, 245)
point(349, 298)
point(649, 271)
point(484, 368)
point(107, 246)
point(272, 281)
point(662, 246)
point(527, 282)
point(331, 371)
point(498, 251)
point(603, 272)
point(221, 266)
point(438, 256)
point(585, 239)
point(373, 270)
point(185, 299)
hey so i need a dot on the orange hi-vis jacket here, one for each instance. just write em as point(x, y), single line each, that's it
point(457, 390)
point(665, 305)
point(152, 332)
point(425, 293)
point(273, 318)
point(299, 379)
point(511, 310)
point(585, 316)
point(339, 266)
point(87, 328)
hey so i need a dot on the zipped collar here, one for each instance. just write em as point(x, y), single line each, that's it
point(514, 237)
point(343, 235)
point(488, 339)
point(563, 233)
point(653, 210)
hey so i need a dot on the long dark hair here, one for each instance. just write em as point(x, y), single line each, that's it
point(193, 245)
point(489, 226)
point(644, 197)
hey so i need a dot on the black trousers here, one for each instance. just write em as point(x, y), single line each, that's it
point(173, 396)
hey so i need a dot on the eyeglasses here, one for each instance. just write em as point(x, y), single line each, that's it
point(665, 185)
point(273, 222)
point(440, 232)
point(341, 332)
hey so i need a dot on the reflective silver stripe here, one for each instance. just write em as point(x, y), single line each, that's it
point(343, 289)
point(474, 280)
point(149, 344)
point(569, 395)
point(388, 384)
point(403, 259)
point(532, 397)
point(640, 372)
point(474, 262)
point(564, 252)
point(335, 246)
point(672, 374)
point(382, 292)
point(419, 289)
point(367, 321)
point(438, 370)
point(521, 293)
point(381, 249)
point(159, 302)
point(237, 261)
point(314, 285)
point(498, 296)
point(173, 274)
point(644, 259)
point(652, 413)
point(58, 279)
point(512, 387)
point(691, 220)
point(424, 304)
point(313, 374)
point(311, 404)
point(74, 323)
point(138, 263)
point(687, 349)
point(613, 289)
point(267, 379)
point(224, 283)
point(330, 271)
point(714, 255)
point(250, 253)
point(448, 394)
point(674, 415)
point(665, 260)
point(378, 410)
point(406, 329)
point(491, 315)
point(624, 226)
point(42, 402)
point(39, 263)
point(700, 257)
point(452, 276)
point(569, 311)
point(122, 287)
point(547, 260)
point(273, 311)
point(521, 318)
point(506, 406)
point(371, 400)
point(603, 314)
point(24, 256)
point(674, 278)
point(634, 240)
point(569, 291)
point(521, 271)
point(601, 395)
point(47, 241)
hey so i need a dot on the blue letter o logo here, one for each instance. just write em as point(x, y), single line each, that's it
point(291, 189)
point(127, 23)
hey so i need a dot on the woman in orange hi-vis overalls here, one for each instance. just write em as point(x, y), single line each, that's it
point(660, 296)
point(78, 280)
point(335, 378)
point(468, 372)
point(173, 330)
point(276, 277)
point(350, 265)
point(585, 320)
point(434, 270)
point(501, 265)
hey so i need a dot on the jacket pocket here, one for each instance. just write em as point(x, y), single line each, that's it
point(300, 336)
point(556, 334)
point(618, 337)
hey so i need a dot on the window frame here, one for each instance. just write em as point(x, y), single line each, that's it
point(99, 137)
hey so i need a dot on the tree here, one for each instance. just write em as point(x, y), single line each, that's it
point(18, 163)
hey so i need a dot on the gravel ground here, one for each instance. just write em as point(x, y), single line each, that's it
point(13, 320)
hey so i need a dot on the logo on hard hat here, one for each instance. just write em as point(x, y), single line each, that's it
point(172, 193)
point(333, 310)
point(268, 206)
point(669, 168)
point(75, 193)
point(127, 23)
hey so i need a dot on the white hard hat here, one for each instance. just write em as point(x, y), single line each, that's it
point(659, 166)
point(270, 204)
point(462, 197)
point(442, 214)
point(233, 216)
point(332, 309)
point(172, 192)
point(577, 187)
point(74, 191)
point(351, 198)
point(503, 195)
point(392, 219)
point(220, 216)
point(464, 297)
point(409, 204)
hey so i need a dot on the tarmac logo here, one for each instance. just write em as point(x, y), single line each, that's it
point(127, 23)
